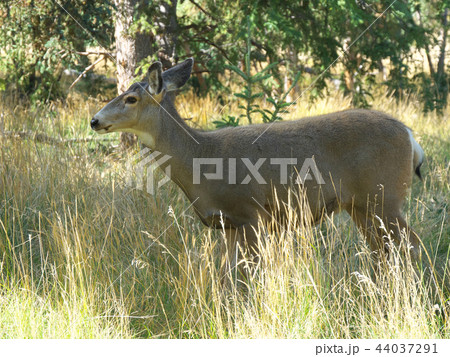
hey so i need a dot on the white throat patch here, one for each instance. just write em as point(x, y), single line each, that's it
point(146, 138)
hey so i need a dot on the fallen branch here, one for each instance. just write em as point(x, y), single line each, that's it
point(43, 138)
point(87, 69)
point(98, 53)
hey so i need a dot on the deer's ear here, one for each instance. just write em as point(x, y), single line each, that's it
point(154, 78)
point(178, 75)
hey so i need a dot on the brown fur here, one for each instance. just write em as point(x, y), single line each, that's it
point(366, 159)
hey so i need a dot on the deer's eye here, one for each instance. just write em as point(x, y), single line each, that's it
point(130, 100)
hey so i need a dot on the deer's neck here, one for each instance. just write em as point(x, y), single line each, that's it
point(171, 136)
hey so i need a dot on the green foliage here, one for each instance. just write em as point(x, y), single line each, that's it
point(228, 121)
point(342, 38)
point(250, 81)
point(433, 90)
point(434, 17)
point(39, 39)
point(253, 89)
point(280, 105)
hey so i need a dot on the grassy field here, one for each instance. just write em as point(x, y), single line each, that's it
point(85, 256)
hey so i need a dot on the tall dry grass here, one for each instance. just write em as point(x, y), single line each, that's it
point(84, 255)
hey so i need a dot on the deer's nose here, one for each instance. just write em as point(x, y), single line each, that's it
point(94, 123)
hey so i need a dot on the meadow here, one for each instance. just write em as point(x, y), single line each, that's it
point(83, 255)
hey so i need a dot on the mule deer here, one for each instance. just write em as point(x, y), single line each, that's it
point(364, 159)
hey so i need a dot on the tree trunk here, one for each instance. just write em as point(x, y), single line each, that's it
point(441, 77)
point(168, 43)
point(441, 62)
point(130, 50)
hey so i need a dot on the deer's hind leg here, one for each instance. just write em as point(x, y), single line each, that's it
point(370, 229)
point(395, 222)
point(230, 251)
point(394, 225)
point(241, 247)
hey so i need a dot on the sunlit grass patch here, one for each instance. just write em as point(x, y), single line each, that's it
point(84, 255)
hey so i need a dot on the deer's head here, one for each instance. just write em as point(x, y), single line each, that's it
point(142, 101)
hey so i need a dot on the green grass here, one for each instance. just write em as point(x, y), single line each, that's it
point(85, 256)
